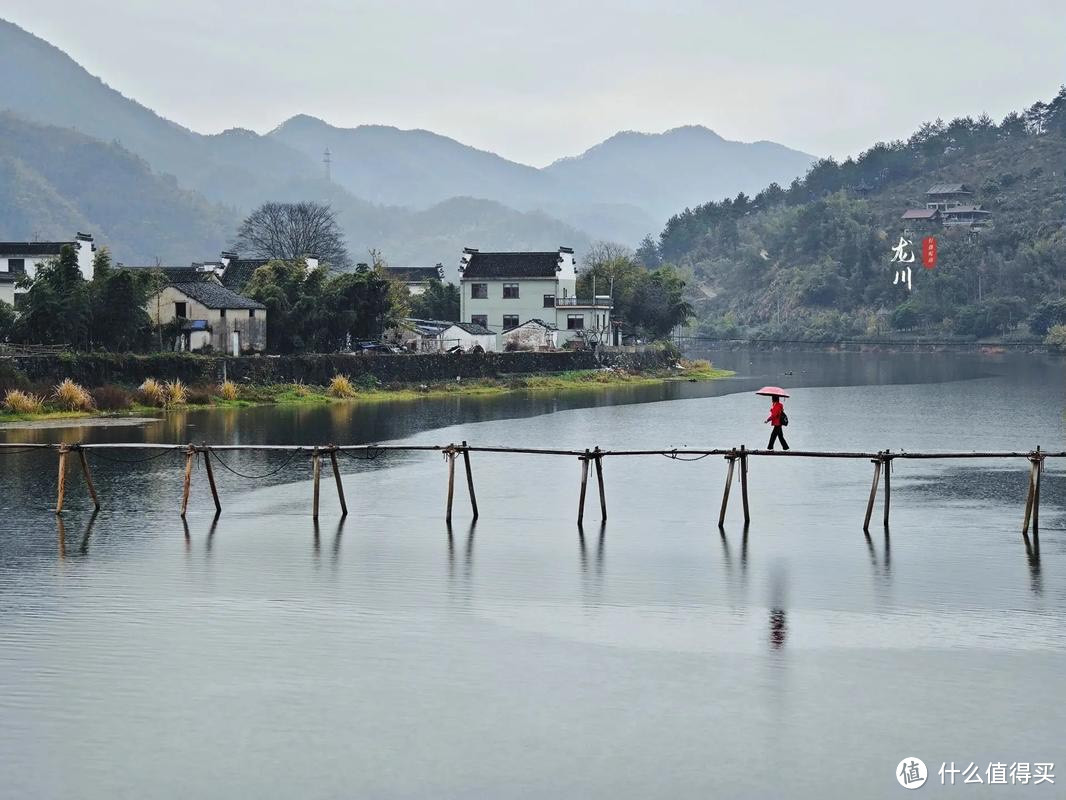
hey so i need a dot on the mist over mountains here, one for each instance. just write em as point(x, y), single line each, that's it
point(77, 154)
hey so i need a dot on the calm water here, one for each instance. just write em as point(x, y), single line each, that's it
point(387, 657)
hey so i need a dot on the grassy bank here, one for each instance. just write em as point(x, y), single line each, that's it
point(125, 401)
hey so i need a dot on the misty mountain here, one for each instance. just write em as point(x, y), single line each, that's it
point(663, 173)
point(57, 181)
point(619, 189)
point(409, 193)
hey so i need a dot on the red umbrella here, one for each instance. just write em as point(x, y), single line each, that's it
point(770, 391)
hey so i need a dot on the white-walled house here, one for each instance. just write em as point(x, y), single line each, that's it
point(500, 291)
point(533, 334)
point(468, 336)
point(23, 258)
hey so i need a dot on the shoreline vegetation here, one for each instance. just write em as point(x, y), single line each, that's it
point(68, 400)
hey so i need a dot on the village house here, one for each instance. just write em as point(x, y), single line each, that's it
point(440, 336)
point(208, 315)
point(921, 219)
point(533, 334)
point(500, 291)
point(23, 258)
point(416, 279)
point(943, 196)
point(967, 215)
point(235, 272)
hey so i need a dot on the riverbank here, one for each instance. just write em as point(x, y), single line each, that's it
point(368, 390)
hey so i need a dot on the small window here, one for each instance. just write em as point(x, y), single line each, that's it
point(480, 319)
point(479, 291)
point(510, 321)
point(179, 310)
point(17, 265)
point(222, 313)
point(510, 291)
point(549, 301)
point(251, 313)
point(575, 322)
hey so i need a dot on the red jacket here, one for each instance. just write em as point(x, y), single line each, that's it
point(776, 410)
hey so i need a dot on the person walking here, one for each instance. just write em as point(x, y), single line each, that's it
point(778, 420)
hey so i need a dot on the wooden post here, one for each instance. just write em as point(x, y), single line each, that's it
point(744, 482)
point(732, 459)
point(584, 483)
point(599, 480)
point(316, 474)
point(1030, 496)
point(337, 478)
point(190, 453)
point(88, 478)
point(873, 493)
point(211, 478)
point(451, 483)
point(61, 489)
point(888, 485)
point(1036, 493)
point(469, 480)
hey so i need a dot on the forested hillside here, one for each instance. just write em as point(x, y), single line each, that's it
point(813, 260)
point(57, 182)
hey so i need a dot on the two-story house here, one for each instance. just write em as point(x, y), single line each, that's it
point(500, 291)
point(23, 258)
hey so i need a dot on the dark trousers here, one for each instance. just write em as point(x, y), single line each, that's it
point(777, 435)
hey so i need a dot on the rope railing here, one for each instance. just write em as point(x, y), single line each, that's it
point(209, 453)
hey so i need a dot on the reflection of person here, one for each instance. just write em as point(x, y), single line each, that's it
point(777, 411)
point(778, 628)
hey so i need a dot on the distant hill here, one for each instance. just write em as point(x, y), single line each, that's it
point(814, 260)
point(619, 189)
point(683, 167)
point(57, 181)
point(386, 179)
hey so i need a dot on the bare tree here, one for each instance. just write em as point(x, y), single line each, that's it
point(291, 231)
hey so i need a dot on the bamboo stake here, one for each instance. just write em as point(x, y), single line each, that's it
point(888, 486)
point(316, 472)
point(337, 478)
point(744, 482)
point(61, 488)
point(1030, 496)
point(451, 485)
point(725, 494)
point(190, 453)
point(599, 480)
point(1036, 494)
point(469, 479)
point(211, 479)
point(88, 478)
point(584, 483)
point(873, 494)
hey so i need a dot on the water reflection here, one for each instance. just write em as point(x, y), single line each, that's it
point(778, 601)
point(592, 581)
point(61, 535)
point(1032, 554)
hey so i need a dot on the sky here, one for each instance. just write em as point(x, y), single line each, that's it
point(536, 81)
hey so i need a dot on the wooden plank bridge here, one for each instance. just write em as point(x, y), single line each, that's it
point(735, 457)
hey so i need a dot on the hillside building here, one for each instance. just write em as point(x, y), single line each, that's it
point(943, 196)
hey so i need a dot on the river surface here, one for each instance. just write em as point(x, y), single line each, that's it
point(259, 655)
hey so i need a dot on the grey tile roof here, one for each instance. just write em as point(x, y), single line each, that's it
point(474, 329)
point(920, 213)
point(240, 271)
point(31, 248)
point(214, 296)
point(512, 265)
point(413, 274)
point(948, 188)
point(966, 210)
point(174, 274)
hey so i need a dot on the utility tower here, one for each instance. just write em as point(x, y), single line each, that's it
point(326, 160)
